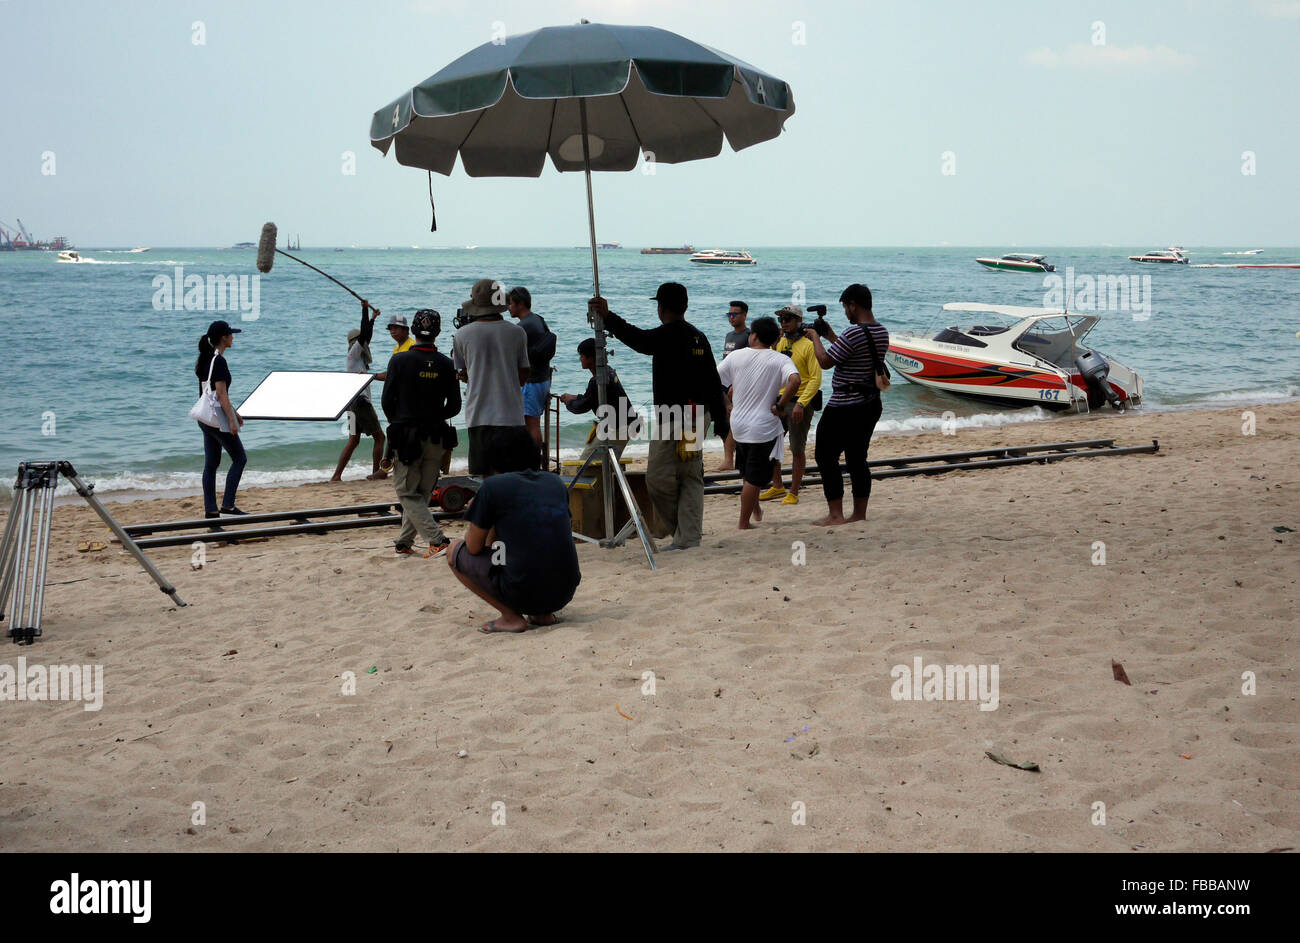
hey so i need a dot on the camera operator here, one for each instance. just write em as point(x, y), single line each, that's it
point(857, 356)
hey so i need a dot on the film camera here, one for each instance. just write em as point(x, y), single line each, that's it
point(819, 325)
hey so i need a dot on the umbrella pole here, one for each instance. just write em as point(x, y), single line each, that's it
point(598, 325)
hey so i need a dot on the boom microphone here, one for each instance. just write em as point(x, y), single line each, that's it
point(266, 248)
point(266, 251)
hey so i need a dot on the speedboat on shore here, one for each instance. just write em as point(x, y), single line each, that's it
point(1173, 255)
point(724, 257)
point(69, 255)
point(1017, 356)
point(1018, 262)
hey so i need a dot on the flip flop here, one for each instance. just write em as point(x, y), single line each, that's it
point(83, 546)
point(533, 620)
point(98, 545)
point(380, 477)
point(491, 629)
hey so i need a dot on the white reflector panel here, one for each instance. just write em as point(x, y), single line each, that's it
point(303, 395)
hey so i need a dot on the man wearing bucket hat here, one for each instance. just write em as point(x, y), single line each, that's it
point(362, 419)
point(491, 358)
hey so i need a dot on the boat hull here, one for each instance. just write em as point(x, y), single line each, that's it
point(987, 380)
point(999, 265)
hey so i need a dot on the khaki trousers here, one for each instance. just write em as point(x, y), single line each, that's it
point(415, 484)
point(677, 489)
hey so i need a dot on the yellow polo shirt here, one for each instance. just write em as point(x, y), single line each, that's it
point(805, 361)
point(404, 345)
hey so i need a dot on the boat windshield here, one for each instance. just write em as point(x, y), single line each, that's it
point(1056, 340)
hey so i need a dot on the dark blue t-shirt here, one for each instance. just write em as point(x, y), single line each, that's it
point(530, 511)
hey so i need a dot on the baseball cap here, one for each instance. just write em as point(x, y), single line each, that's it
point(354, 333)
point(398, 320)
point(221, 329)
point(790, 311)
point(671, 294)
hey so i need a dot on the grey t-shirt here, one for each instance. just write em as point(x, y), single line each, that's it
point(735, 341)
point(357, 364)
point(491, 353)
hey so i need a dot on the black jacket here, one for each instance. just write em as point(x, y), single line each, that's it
point(420, 395)
point(682, 368)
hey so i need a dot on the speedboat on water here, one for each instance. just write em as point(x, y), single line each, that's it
point(69, 255)
point(1173, 255)
point(1018, 262)
point(1017, 356)
point(724, 257)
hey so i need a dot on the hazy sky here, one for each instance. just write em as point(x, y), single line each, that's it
point(1055, 139)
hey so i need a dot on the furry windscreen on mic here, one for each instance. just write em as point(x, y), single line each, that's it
point(266, 248)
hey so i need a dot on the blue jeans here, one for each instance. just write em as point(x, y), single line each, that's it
point(213, 442)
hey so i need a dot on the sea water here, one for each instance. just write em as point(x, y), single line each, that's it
point(97, 357)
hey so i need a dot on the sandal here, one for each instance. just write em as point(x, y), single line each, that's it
point(83, 546)
point(534, 620)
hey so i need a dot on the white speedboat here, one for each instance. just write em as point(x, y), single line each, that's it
point(69, 255)
point(724, 257)
point(1173, 255)
point(1018, 262)
point(1017, 356)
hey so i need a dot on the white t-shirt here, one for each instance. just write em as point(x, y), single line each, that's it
point(756, 377)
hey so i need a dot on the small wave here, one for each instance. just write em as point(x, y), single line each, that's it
point(1254, 396)
point(84, 260)
point(978, 421)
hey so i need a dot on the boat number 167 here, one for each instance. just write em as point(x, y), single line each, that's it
point(1049, 394)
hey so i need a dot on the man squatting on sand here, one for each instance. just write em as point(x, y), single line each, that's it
point(761, 384)
point(420, 395)
point(687, 393)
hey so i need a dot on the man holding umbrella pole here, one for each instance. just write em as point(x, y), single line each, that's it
point(687, 393)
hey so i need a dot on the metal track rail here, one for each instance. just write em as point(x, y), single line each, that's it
point(901, 467)
point(305, 521)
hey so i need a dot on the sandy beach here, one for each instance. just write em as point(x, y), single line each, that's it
point(772, 681)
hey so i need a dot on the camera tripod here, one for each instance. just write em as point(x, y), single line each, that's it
point(25, 548)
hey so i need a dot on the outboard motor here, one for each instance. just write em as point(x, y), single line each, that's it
point(1094, 369)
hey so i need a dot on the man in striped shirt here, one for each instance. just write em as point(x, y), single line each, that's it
point(851, 414)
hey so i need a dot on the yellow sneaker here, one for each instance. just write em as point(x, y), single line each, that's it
point(771, 493)
point(790, 498)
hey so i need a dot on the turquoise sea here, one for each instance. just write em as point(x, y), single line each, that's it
point(97, 368)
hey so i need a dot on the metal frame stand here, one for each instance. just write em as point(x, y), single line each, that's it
point(611, 463)
point(23, 563)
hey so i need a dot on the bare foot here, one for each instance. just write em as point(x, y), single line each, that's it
point(758, 513)
point(377, 476)
point(855, 518)
point(725, 467)
point(336, 478)
point(831, 520)
point(747, 526)
point(503, 625)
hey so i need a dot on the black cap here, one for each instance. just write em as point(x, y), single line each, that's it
point(672, 295)
point(221, 329)
point(427, 324)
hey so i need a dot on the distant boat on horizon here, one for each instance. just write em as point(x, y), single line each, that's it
point(665, 250)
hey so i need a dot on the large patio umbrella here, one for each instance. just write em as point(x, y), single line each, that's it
point(591, 96)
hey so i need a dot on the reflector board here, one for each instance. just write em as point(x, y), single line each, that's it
point(307, 395)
